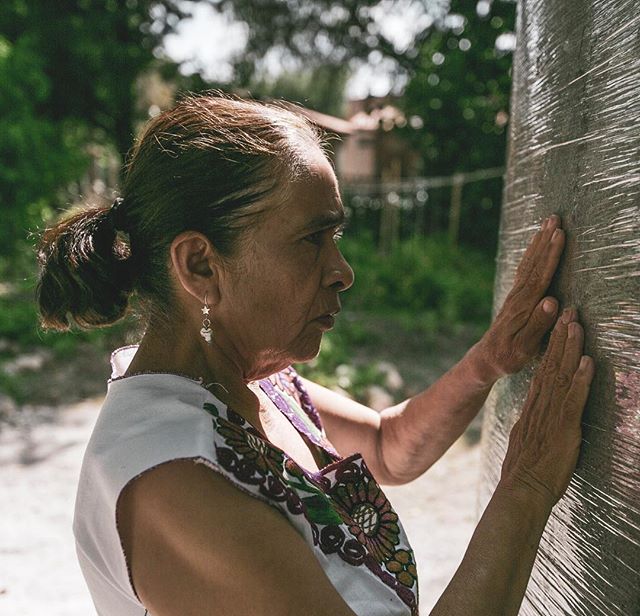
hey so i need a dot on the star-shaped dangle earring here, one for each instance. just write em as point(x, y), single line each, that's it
point(206, 331)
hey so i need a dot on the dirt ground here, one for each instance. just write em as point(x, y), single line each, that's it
point(40, 461)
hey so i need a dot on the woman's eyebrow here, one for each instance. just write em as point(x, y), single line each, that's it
point(332, 219)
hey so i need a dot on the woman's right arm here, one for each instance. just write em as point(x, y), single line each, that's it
point(197, 545)
point(542, 454)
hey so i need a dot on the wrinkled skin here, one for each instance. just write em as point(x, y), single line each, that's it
point(544, 443)
point(516, 334)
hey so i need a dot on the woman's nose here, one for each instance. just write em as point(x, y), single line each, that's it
point(340, 275)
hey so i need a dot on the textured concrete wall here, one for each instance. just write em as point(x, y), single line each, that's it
point(575, 149)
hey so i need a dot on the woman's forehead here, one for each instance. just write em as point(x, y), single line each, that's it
point(312, 200)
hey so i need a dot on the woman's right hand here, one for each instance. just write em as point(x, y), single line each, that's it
point(542, 454)
point(545, 441)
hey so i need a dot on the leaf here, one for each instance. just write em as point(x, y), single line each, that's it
point(319, 510)
point(212, 409)
point(305, 487)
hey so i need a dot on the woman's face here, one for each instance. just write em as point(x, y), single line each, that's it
point(289, 275)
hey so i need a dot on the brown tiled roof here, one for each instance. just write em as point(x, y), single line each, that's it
point(323, 120)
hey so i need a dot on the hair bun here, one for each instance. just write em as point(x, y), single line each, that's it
point(85, 277)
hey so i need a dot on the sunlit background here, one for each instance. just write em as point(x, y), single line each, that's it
point(414, 96)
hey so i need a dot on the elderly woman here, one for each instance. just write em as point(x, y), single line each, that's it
point(217, 480)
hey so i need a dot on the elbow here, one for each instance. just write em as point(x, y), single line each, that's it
point(398, 465)
point(383, 473)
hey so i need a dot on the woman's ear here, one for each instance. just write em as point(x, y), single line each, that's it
point(196, 265)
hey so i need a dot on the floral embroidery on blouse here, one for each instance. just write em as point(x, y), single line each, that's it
point(257, 455)
point(371, 519)
point(347, 511)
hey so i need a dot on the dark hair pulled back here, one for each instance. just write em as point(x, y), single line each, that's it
point(209, 164)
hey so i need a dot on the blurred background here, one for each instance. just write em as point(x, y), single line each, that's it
point(414, 95)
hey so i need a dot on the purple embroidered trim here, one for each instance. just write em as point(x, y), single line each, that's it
point(267, 386)
point(270, 390)
point(305, 400)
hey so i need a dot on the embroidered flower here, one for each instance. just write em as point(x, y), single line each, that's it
point(353, 552)
point(403, 567)
point(317, 506)
point(252, 449)
point(331, 539)
point(370, 517)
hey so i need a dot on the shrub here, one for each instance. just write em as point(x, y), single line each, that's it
point(421, 275)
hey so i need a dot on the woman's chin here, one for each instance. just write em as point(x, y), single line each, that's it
point(308, 353)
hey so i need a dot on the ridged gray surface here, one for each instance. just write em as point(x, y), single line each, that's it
point(575, 150)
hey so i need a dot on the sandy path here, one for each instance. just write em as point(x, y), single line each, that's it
point(39, 466)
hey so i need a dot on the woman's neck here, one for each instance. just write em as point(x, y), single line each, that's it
point(160, 351)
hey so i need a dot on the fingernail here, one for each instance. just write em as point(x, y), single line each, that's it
point(566, 315)
point(556, 234)
point(545, 224)
point(573, 330)
point(584, 362)
point(548, 306)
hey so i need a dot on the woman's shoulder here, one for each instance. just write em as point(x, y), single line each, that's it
point(210, 543)
point(146, 420)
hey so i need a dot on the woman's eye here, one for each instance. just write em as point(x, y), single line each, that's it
point(317, 237)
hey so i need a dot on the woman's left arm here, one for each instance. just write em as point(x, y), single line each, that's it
point(403, 441)
point(417, 432)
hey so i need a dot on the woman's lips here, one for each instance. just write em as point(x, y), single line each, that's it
point(327, 321)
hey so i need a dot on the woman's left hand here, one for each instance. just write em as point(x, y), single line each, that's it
point(515, 335)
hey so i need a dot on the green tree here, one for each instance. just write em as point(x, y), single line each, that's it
point(92, 51)
point(38, 155)
point(460, 89)
point(67, 75)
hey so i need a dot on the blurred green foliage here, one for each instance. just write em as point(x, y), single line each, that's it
point(38, 155)
point(421, 275)
point(21, 333)
point(67, 75)
point(19, 326)
point(460, 88)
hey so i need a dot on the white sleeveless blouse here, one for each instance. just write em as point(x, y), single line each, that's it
point(340, 511)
